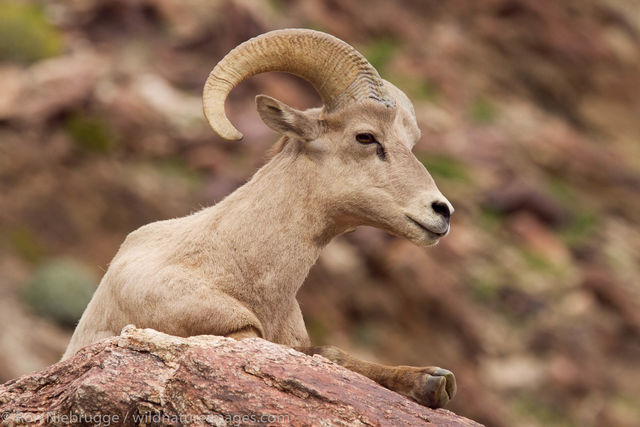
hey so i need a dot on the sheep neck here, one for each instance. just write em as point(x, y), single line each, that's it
point(275, 227)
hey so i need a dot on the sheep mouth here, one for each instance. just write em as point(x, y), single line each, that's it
point(432, 234)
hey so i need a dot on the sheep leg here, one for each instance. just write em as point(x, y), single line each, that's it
point(429, 386)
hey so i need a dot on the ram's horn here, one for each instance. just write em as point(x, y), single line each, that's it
point(339, 73)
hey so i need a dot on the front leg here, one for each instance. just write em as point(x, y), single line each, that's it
point(429, 386)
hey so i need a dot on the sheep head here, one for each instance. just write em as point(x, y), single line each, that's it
point(360, 141)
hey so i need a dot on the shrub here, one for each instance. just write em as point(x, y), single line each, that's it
point(60, 290)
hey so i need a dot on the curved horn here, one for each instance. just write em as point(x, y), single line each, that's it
point(338, 72)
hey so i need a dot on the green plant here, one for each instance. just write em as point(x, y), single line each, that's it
point(484, 289)
point(580, 229)
point(60, 290)
point(379, 52)
point(561, 189)
point(482, 110)
point(175, 167)
point(90, 133)
point(583, 223)
point(491, 219)
point(528, 406)
point(445, 167)
point(25, 243)
point(317, 329)
point(365, 334)
point(25, 33)
point(536, 261)
point(428, 90)
point(416, 89)
point(279, 6)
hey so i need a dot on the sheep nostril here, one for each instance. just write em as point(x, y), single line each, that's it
point(441, 209)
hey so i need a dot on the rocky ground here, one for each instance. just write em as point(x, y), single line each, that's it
point(144, 377)
point(528, 111)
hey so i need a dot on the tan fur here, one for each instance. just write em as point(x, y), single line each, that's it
point(430, 386)
point(234, 268)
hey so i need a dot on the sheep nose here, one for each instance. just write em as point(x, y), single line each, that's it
point(442, 209)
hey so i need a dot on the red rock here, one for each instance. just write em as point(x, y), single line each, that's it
point(144, 376)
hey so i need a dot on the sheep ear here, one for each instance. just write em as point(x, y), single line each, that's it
point(286, 120)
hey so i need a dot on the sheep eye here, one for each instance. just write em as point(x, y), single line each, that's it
point(365, 138)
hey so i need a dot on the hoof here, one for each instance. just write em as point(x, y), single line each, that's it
point(434, 387)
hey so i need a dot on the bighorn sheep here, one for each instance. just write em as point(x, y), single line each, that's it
point(234, 269)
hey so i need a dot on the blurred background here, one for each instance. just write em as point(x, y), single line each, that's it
point(530, 118)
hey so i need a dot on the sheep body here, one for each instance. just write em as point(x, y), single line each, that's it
point(234, 269)
point(219, 270)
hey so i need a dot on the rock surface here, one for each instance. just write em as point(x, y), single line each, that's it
point(147, 377)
